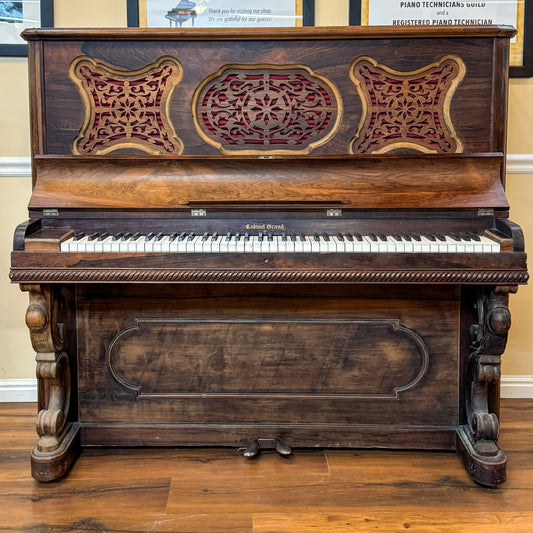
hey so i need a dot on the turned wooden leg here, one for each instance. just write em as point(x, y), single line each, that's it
point(477, 441)
point(58, 445)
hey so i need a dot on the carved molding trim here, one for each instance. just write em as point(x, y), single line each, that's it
point(267, 109)
point(279, 276)
point(406, 110)
point(126, 109)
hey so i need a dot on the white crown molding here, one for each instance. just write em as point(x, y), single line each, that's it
point(20, 167)
point(25, 390)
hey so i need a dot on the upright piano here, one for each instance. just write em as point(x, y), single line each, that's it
point(269, 239)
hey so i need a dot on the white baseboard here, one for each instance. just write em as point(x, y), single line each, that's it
point(517, 387)
point(18, 390)
point(25, 390)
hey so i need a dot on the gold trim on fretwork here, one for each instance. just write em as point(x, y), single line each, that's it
point(127, 75)
point(247, 151)
point(405, 75)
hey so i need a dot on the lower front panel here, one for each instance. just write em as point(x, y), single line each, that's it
point(317, 366)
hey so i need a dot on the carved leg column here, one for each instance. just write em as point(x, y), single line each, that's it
point(58, 445)
point(477, 441)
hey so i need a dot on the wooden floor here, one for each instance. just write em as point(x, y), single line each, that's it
point(216, 490)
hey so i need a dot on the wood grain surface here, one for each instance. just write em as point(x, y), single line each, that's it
point(217, 490)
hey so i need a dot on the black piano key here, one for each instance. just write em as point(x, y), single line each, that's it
point(381, 237)
point(407, 237)
point(205, 236)
point(430, 237)
point(126, 236)
point(246, 236)
point(358, 237)
point(303, 237)
point(416, 237)
point(79, 235)
point(260, 236)
point(270, 237)
point(228, 236)
point(293, 237)
point(117, 236)
point(455, 237)
point(284, 237)
point(173, 236)
point(350, 237)
point(190, 237)
point(149, 236)
point(135, 236)
point(340, 236)
point(397, 237)
point(103, 236)
point(373, 237)
point(475, 237)
point(325, 236)
point(237, 237)
point(93, 236)
point(465, 237)
point(316, 236)
point(159, 236)
point(182, 236)
point(440, 237)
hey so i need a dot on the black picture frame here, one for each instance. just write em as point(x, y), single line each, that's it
point(515, 71)
point(47, 21)
point(308, 12)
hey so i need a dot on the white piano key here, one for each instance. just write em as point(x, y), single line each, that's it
point(65, 245)
point(81, 244)
point(137, 245)
point(430, 246)
point(489, 246)
point(339, 245)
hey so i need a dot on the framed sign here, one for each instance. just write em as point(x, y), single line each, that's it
point(16, 17)
point(220, 13)
point(517, 13)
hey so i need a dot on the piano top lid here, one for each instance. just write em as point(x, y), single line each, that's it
point(371, 182)
point(268, 34)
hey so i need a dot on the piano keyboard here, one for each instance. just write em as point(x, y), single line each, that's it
point(280, 243)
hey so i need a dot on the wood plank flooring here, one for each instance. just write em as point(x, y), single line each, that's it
point(216, 490)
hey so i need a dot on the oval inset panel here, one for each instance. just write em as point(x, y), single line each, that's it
point(279, 109)
point(315, 358)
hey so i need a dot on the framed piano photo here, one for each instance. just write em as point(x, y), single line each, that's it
point(220, 13)
point(517, 13)
point(16, 17)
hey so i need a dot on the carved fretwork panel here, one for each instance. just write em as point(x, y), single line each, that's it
point(126, 109)
point(406, 110)
point(266, 108)
point(53, 370)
